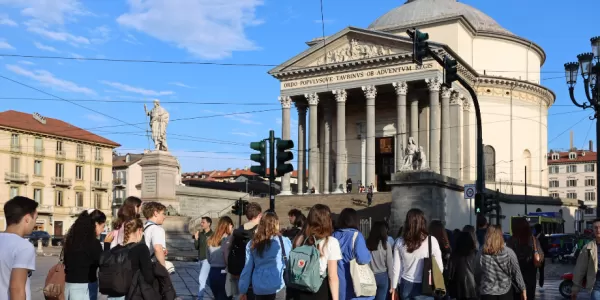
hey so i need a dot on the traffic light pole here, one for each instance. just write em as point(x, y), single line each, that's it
point(271, 170)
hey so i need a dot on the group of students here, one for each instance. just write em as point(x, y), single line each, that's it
point(130, 264)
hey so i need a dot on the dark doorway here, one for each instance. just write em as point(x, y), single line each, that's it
point(384, 162)
point(58, 228)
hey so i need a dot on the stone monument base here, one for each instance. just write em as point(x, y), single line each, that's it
point(160, 170)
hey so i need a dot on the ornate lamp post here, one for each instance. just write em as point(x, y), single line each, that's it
point(590, 72)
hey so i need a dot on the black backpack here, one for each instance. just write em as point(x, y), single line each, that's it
point(237, 251)
point(115, 273)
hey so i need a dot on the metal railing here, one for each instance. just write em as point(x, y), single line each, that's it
point(61, 154)
point(61, 181)
point(16, 177)
point(365, 226)
point(77, 210)
point(118, 181)
point(80, 157)
point(15, 148)
point(100, 185)
point(46, 209)
point(98, 159)
point(38, 151)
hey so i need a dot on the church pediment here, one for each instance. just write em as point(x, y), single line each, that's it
point(354, 49)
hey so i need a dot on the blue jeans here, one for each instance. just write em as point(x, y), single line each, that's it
point(202, 277)
point(216, 281)
point(383, 285)
point(411, 291)
point(81, 291)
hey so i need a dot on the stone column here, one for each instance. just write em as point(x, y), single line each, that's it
point(370, 93)
point(434, 85)
point(414, 119)
point(301, 107)
point(401, 89)
point(446, 165)
point(455, 135)
point(313, 148)
point(340, 98)
point(286, 104)
point(327, 148)
point(466, 147)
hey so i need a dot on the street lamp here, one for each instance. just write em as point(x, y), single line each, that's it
point(589, 64)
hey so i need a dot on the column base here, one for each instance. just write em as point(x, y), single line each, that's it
point(326, 193)
point(285, 193)
point(338, 191)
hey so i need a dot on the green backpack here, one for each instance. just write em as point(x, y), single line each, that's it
point(304, 268)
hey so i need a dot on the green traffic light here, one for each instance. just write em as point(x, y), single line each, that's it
point(260, 158)
point(283, 156)
point(419, 46)
point(421, 36)
point(258, 146)
point(451, 71)
point(257, 157)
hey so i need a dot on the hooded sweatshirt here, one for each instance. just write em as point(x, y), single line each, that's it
point(495, 273)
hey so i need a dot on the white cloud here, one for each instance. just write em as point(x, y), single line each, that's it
point(243, 133)
point(26, 62)
point(183, 85)
point(45, 47)
point(100, 34)
point(136, 90)
point(129, 38)
point(61, 36)
point(76, 56)
point(207, 29)
point(48, 79)
point(49, 11)
point(96, 118)
point(5, 45)
point(5, 20)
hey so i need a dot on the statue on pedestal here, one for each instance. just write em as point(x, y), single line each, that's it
point(414, 157)
point(159, 118)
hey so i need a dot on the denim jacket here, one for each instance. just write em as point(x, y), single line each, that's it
point(265, 272)
point(359, 251)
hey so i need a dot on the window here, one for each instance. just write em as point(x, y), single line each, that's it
point(571, 182)
point(58, 198)
point(571, 168)
point(97, 174)
point(79, 172)
point(589, 168)
point(590, 196)
point(38, 144)
point(98, 201)
point(590, 182)
point(554, 195)
point(14, 140)
point(14, 191)
point(123, 177)
point(554, 183)
point(572, 155)
point(553, 169)
point(555, 156)
point(14, 164)
point(79, 199)
point(37, 195)
point(60, 170)
point(572, 195)
point(489, 159)
point(590, 211)
point(98, 153)
point(79, 150)
point(59, 145)
point(37, 168)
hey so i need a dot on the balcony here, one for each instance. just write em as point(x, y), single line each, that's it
point(99, 185)
point(15, 148)
point(61, 154)
point(117, 202)
point(119, 182)
point(80, 157)
point(16, 177)
point(98, 159)
point(77, 210)
point(38, 151)
point(61, 181)
point(45, 209)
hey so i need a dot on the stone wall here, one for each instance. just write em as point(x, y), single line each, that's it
point(196, 202)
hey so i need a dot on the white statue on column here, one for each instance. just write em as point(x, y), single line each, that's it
point(409, 155)
point(159, 118)
point(422, 162)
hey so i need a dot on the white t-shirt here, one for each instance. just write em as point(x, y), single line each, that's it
point(332, 251)
point(15, 253)
point(154, 235)
point(409, 266)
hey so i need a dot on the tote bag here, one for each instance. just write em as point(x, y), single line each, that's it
point(363, 279)
point(433, 279)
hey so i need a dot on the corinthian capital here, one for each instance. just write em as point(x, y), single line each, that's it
point(446, 92)
point(370, 91)
point(434, 83)
point(466, 103)
point(456, 98)
point(340, 95)
point(313, 98)
point(401, 87)
point(286, 101)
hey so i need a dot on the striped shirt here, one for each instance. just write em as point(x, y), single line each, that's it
point(496, 273)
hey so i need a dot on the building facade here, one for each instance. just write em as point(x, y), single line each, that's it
point(365, 100)
point(126, 177)
point(64, 168)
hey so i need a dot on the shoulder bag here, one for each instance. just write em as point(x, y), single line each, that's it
point(432, 283)
point(538, 260)
point(363, 279)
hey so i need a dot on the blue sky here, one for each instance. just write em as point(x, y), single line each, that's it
point(232, 31)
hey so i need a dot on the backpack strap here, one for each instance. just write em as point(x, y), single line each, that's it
point(282, 249)
point(148, 225)
point(354, 242)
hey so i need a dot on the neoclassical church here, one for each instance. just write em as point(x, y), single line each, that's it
point(369, 106)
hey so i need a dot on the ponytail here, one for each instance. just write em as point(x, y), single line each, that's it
point(131, 227)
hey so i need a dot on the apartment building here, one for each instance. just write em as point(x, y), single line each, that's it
point(127, 177)
point(572, 174)
point(66, 169)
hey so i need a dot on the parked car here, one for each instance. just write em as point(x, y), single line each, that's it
point(39, 235)
point(58, 240)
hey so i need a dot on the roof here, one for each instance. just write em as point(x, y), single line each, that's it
point(421, 11)
point(563, 157)
point(119, 161)
point(24, 121)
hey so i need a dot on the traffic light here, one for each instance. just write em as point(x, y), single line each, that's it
point(284, 156)
point(419, 45)
point(260, 158)
point(244, 206)
point(479, 203)
point(451, 71)
point(236, 208)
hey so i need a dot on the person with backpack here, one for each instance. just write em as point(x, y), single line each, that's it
point(313, 263)
point(216, 258)
point(353, 247)
point(126, 270)
point(81, 254)
point(127, 212)
point(527, 248)
point(154, 234)
point(266, 256)
point(17, 255)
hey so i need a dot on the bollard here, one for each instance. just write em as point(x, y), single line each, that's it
point(39, 249)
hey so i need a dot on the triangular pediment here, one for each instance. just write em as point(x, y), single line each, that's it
point(348, 45)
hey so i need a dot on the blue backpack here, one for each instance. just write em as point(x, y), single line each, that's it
point(304, 268)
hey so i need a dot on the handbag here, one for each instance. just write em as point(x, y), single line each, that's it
point(538, 260)
point(54, 286)
point(432, 283)
point(363, 279)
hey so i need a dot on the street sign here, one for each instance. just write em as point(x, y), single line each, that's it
point(470, 191)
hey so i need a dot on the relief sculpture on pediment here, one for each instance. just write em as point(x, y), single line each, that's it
point(354, 50)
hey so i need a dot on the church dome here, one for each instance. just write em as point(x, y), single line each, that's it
point(427, 11)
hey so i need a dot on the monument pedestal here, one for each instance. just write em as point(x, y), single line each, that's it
point(160, 170)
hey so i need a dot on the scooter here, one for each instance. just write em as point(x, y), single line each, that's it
point(565, 286)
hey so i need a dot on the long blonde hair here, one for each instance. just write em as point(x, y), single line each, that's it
point(222, 229)
point(130, 227)
point(494, 240)
point(267, 228)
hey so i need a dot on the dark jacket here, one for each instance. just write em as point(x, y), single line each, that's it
point(165, 286)
point(200, 243)
point(461, 278)
point(141, 290)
